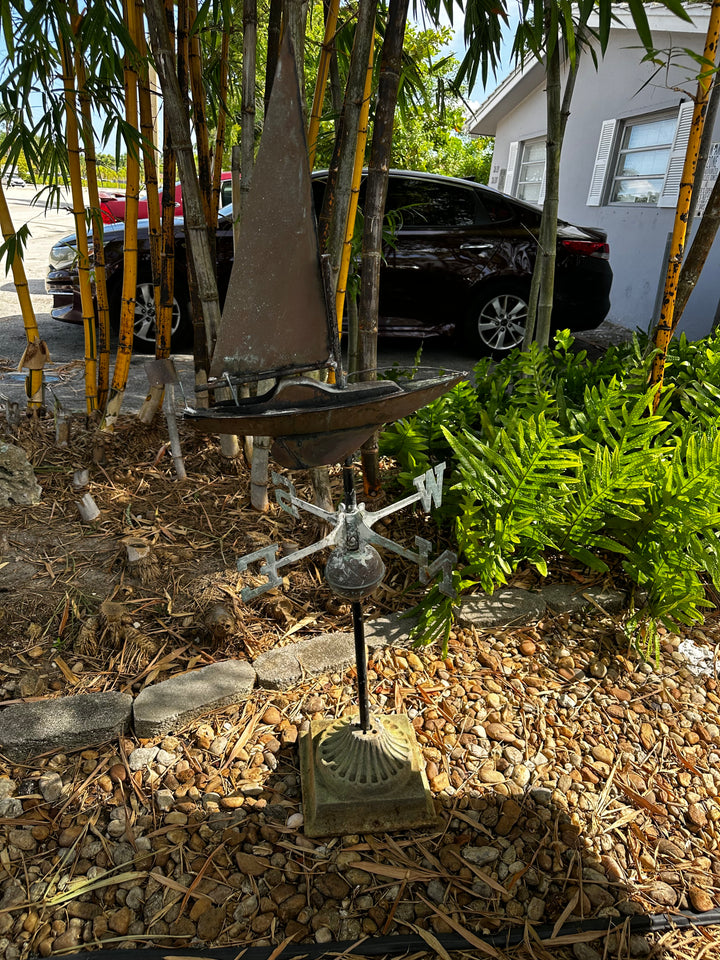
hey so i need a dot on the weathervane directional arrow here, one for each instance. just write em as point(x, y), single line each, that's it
point(351, 530)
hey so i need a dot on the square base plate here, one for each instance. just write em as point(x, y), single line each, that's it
point(332, 810)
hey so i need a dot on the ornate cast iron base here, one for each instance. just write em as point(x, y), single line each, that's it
point(357, 781)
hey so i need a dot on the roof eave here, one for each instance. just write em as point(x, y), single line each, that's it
point(505, 97)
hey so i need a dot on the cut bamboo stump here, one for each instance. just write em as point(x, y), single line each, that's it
point(88, 509)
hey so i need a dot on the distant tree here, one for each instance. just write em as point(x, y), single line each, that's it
point(432, 113)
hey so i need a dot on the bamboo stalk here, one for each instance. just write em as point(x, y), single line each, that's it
point(200, 333)
point(221, 126)
point(322, 77)
point(34, 343)
point(98, 232)
point(667, 324)
point(196, 230)
point(236, 166)
point(147, 129)
point(78, 204)
point(354, 194)
point(375, 195)
point(247, 126)
point(165, 296)
point(273, 47)
point(202, 137)
point(229, 443)
point(130, 252)
point(333, 219)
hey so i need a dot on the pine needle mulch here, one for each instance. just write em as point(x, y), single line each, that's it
point(77, 616)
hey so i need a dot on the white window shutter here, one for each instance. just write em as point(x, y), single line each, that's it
point(511, 164)
point(602, 159)
point(673, 176)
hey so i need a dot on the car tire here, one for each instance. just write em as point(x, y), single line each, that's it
point(496, 320)
point(145, 317)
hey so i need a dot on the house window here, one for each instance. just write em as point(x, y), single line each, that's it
point(531, 171)
point(642, 160)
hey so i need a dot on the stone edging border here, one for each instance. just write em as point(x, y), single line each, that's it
point(81, 721)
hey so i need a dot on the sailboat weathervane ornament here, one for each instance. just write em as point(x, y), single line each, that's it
point(278, 324)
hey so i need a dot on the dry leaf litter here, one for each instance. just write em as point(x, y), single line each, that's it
point(572, 779)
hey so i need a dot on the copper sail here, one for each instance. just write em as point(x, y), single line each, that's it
point(275, 317)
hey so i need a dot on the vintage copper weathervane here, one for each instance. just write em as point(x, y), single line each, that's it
point(364, 773)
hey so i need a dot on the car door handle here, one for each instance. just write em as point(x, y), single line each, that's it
point(476, 246)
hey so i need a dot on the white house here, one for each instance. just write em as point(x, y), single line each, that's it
point(622, 157)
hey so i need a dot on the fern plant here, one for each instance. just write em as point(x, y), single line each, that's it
point(553, 454)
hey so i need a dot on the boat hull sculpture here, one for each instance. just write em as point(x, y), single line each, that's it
point(315, 423)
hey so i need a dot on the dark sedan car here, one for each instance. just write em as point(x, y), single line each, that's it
point(458, 259)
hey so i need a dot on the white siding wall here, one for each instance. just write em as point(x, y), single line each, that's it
point(637, 234)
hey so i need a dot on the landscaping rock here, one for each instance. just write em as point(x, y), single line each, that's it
point(504, 608)
point(570, 598)
point(18, 485)
point(173, 703)
point(70, 723)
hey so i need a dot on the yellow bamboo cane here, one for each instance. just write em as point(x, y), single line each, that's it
point(130, 253)
point(321, 80)
point(355, 194)
point(101, 295)
point(666, 325)
point(34, 343)
point(78, 203)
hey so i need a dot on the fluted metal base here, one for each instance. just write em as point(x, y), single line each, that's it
point(357, 781)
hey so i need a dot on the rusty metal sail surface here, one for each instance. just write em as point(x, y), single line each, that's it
point(275, 318)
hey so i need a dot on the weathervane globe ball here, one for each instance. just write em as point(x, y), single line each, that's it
point(354, 574)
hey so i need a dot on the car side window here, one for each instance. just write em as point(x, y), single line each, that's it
point(225, 192)
point(498, 209)
point(425, 203)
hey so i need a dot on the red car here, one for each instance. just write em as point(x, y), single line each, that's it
point(112, 202)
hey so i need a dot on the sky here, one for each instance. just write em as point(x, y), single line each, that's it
point(477, 95)
point(480, 92)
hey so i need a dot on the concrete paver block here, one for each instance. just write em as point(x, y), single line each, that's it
point(510, 607)
point(389, 631)
point(64, 724)
point(173, 703)
point(570, 598)
point(326, 653)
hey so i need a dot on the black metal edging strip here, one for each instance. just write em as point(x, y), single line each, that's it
point(377, 946)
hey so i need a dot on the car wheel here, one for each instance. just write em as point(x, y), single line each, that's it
point(498, 316)
point(145, 321)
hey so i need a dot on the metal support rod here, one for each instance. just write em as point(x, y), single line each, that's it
point(357, 612)
point(361, 662)
point(349, 484)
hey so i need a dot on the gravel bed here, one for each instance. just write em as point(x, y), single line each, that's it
point(572, 781)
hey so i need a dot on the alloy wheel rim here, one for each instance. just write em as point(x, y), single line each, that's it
point(145, 323)
point(501, 322)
